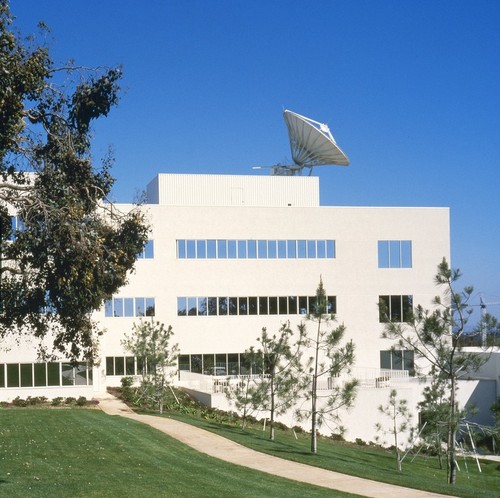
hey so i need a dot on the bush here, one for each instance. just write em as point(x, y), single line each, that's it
point(81, 401)
point(57, 401)
point(70, 401)
point(19, 402)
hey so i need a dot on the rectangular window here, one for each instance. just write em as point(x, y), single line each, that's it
point(263, 306)
point(222, 305)
point(394, 254)
point(271, 249)
point(202, 306)
point(211, 249)
point(311, 249)
point(140, 306)
point(283, 305)
point(192, 311)
point(117, 307)
point(184, 362)
point(243, 306)
point(330, 249)
point(222, 249)
point(181, 249)
point(262, 249)
point(53, 374)
point(273, 305)
point(291, 247)
point(302, 305)
point(129, 365)
point(149, 249)
point(12, 374)
point(395, 308)
point(253, 306)
point(26, 374)
point(128, 305)
point(321, 248)
point(281, 249)
point(231, 249)
point(233, 305)
point(212, 306)
point(80, 372)
point(242, 249)
point(292, 305)
point(181, 306)
point(331, 305)
point(398, 359)
point(252, 249)
point(150, 306)
point(301, 249)
point(110, 365)
point(201, 249)
point(108, 308)
point(119, 365)
point(190, 249)
point(67, 374)
point(2, 374)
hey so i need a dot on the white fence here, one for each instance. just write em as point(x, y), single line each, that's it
point(367, 377)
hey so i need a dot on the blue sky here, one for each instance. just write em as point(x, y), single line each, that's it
point(410, 90)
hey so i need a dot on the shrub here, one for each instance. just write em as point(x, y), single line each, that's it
point(19, 402)
point(57, 401)
point(70, 401)
point(81, 401)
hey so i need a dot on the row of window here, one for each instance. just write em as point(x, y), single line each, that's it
point(126, 365)
point(255, 249)
point(45, 374)
point(397, 308)
point(129, 307)
point(394, 254)
point(261, 305)
point(238, 363)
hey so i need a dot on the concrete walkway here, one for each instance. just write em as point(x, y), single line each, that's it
point(229, 451)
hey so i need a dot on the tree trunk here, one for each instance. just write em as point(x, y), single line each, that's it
point(271, 418)
point(452, 432)
point(314, 397)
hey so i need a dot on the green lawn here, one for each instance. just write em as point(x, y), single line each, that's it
point(85, 453)
point(364, 461)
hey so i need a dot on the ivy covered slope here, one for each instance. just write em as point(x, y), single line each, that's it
point(69, 248)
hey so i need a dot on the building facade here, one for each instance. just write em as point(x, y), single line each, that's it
point(229, 255)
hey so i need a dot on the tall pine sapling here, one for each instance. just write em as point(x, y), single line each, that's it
point(398, 412)
point(436, 337)
point(331, 357)
point(150, 343)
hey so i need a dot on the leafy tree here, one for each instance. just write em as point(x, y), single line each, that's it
point(70, 249)
point(436, 336)
point(279, 360)
point(149, 342)
point(397, 410)
point(330, 359)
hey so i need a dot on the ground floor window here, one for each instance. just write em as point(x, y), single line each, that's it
point(45, 374)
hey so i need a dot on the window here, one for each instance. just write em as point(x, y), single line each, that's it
point(267, 305)
point(395, 308)
point(397, 360)
point(32, 375)
point(116, 365)
point(131, 307)
point(394, 254)
point(253, 249)
point(148, 251)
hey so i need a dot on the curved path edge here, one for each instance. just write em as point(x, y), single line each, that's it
point(224, 449)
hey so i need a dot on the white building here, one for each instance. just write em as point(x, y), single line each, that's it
point(229, 255)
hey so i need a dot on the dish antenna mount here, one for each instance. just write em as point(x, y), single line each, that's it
point(312, 144)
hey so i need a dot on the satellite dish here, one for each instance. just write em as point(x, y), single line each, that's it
point(312, 144)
